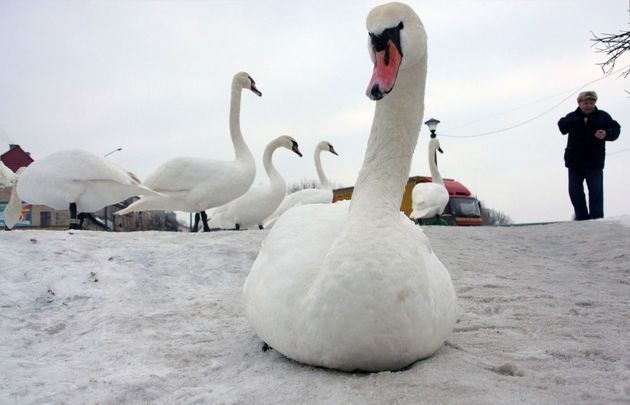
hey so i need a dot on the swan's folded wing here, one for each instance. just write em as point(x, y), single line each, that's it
point(185, 173)
point(79, 165)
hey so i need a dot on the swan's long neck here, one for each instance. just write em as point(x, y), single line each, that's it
point(397, 120)
point(323, 180)
point(435, 173)
point(241, 149)
point(275, 179)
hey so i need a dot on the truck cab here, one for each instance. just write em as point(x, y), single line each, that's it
point(463, 209)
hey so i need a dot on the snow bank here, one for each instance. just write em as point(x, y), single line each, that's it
point(91, 317)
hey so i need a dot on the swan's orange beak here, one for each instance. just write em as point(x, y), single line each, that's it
point(385, 71)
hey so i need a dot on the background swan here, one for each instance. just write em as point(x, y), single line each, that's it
point(76, 180)
point(13, 210)
point(249, 210)
point(195, 184)
point(360, 288)
point(430, 199)
point(7, 177)
point(323, 195)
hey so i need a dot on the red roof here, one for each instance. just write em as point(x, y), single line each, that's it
point(455, 188)
point(16, 158)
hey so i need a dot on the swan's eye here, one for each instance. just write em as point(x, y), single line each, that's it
point(379, 42)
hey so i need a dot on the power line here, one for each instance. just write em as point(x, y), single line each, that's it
point(617, 151)
point(496, 131)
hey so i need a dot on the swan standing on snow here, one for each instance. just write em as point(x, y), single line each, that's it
point(249, 210)
point(75, 180)
point(360, 288)
point(196, 184)
point(323, 195)
point(430, 199)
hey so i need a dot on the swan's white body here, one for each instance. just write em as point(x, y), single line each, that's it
point(360, 288)
point(323, 195)
point(13, 209)
point(7, 177)
point(196, 184)
point(430, 199)
point(250, 209)
point(76, 176)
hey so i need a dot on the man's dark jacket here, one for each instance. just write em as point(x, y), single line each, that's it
point(583, 148)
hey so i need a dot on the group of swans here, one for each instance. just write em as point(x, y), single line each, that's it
point(349, 286)
point(84, 183)
point(323, 195)
point(357, 286)
point(196, 184)
point(250, 210)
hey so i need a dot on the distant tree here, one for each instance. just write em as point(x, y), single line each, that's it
point(304, 184)
point(494, 217)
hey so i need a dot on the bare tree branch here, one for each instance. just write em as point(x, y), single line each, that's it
point(613, 45)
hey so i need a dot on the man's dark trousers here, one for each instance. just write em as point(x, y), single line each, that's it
point(594, 177)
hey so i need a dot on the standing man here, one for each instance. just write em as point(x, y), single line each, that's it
point(588, 129)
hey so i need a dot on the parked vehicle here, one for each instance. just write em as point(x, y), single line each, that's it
point(463, 208)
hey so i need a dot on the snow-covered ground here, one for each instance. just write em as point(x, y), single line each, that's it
point(109, 318)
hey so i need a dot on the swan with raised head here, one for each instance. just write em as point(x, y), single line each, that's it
point(249, 210)
point(430, 199)
point(358, 287)
point(323, 195)
point(76, 180)
point(197, 184)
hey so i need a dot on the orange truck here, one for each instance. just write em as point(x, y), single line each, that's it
point(463, 209)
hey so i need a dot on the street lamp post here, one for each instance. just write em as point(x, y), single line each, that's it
point(432, 124)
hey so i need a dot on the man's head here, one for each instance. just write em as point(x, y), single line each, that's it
point(586, 100)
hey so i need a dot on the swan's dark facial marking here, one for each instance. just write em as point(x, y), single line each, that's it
point(296, 149)
point(332, 150)
point(253, 88)
point(387, 59)
point(380, 41)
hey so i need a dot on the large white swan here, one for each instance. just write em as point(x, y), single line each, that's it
point(196, 184)
point(249, 210)
point(360, 288)
point(76, 180)
point(430, 199)
point(323, 195)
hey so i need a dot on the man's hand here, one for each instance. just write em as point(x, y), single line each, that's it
point(600, 134)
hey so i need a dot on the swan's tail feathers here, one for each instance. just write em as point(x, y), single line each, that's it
point(151, 191)
point(268, 224)
point(145, 203)
point(219, 221)
point(419, 213)
point(134, 178)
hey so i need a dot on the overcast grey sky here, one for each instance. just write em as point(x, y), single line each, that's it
point(153, 77)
